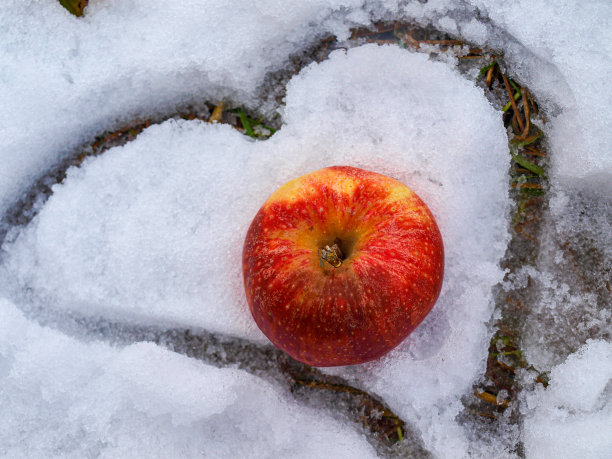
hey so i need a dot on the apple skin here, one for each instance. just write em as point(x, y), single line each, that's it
point(389, 280)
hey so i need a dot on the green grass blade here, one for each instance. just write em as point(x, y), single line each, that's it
point(245, 123)
point(517, 95)
point(513, 84)
point(529, 165)
point(526, 142)
point(485, 69)
point(255, 122)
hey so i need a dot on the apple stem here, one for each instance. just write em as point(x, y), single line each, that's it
point(332, 255)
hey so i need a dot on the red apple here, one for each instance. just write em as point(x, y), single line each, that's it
point(340, 265)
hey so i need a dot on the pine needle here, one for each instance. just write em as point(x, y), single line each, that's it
point(217, 114)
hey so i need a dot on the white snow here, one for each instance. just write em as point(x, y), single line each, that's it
point(65, 398)
point(151, 232)
point(569, 45)
point(573, 416)
point(395, 118)
point(65, 80)
point(154, 230)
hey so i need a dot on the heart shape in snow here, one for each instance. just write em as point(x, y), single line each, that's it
point(152, 232)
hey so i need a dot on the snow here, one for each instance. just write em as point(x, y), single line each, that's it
point(65, 80)
point(576, 42)
point(151, 233)
point(143, 400)
point(573, 416)
point(437, 364)
point(141, 232)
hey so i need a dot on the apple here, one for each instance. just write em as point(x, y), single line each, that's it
point(341, 264)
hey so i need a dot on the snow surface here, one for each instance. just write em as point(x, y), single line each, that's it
point(569, 47)
point(573, 416)
point(65, 80)
point(154, 229)
point(150, 233)
point(66, 398)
